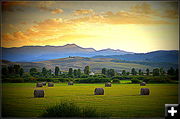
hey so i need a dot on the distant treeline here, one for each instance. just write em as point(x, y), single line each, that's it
point(15, 73)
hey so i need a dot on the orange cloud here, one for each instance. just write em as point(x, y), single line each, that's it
point(57, 11)
point(9, 6)
point(42, 31)
point(83, 12)
point(53, 11)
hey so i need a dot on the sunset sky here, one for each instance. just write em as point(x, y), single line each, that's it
point(129, 26)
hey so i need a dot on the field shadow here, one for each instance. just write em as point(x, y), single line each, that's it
point(34, 97)
point(134, 95)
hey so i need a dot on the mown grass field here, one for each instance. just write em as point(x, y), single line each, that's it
point(121, 100)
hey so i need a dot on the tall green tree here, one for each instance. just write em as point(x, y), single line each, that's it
point(87, 70)
point(161, 71)
point(56, 71)
point(156, 72)
point(110, 72)
point(21, 71)
point(33, 71)
point(11, 70)
point(49, 72)
point(171, 71)
point(70, 72)
point(147, 72)
point(140, 72)
point(133, 71)
point(104, 71)
point(75, 72)
point(44, 71)
point(79, 73)
point(4, 70)
point(17, 68)
point(123, 72)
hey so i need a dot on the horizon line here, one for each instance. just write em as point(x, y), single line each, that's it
point(85, 48)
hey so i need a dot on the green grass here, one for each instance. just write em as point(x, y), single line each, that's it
point(125, 81)
point(121, 100)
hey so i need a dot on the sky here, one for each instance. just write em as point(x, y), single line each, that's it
point(131, 26)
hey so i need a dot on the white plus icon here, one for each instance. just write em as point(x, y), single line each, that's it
point(172, 111)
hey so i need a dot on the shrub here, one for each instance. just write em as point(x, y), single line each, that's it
point(135, 81)
point(146, 80)
point(140, 77)
point(122, 77)
point(70, 109)
point(64, 109)
point(56, 81)
point(159, 79)
point(63, 79)
point(115, 80)
point(89, 112)
point(94, 80)
point(84, 76)
point(13, 80)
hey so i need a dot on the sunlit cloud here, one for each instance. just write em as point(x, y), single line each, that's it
point(140, 27)
point(53, 11)
point(57, 11)
point(83, 12)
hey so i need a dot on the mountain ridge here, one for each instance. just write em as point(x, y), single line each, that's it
point(38, 53)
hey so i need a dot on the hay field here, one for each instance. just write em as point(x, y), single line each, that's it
point(121, 100)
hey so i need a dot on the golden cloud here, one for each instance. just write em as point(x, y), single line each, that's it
point(124, 17)
point(57, 11)
point(121, 17)
point(143, 8)
point(47, 29)
point(141, 13)
point(173, 14)
point(83, 12)
point(146, 9)
point(53, 11)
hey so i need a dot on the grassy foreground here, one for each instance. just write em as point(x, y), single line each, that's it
point(121, 100)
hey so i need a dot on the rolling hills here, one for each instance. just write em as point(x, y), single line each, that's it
point(96, 64)
point(155, 56)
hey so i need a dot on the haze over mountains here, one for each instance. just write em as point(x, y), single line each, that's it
point(74, 56)
point(43, 53)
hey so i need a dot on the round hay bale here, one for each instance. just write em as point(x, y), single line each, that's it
point(38, 93)
point(50, 84)
point(44, 83)
point(99, 91)
point(145, 91)
point(70, 83)
point(108, 84)
point(39, 85)
point(143, 84)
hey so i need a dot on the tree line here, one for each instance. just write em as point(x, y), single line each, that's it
point(17, 70)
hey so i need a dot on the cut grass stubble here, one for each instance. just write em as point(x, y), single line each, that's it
point(122, 100)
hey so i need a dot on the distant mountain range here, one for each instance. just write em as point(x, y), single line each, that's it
point(42, 53)
point(156, 56)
